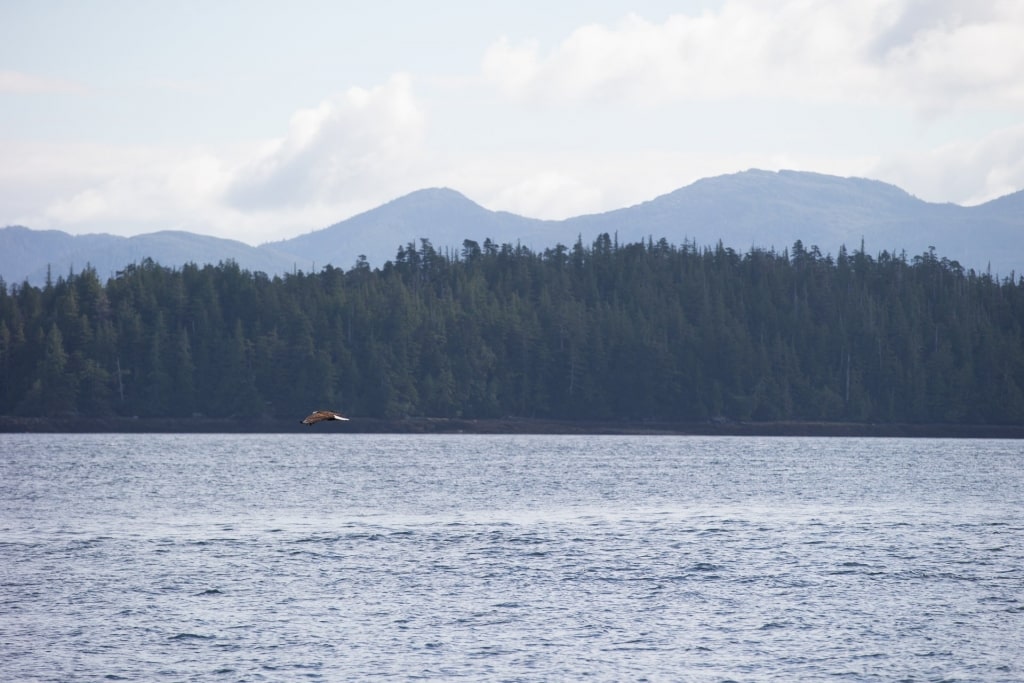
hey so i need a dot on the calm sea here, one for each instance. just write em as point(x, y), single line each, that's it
point(332, 556)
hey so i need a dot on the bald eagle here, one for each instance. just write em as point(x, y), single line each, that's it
point(321, 415)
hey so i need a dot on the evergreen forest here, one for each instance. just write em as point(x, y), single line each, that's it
point(639, 331)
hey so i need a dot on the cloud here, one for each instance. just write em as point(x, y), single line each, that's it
point(548, 193)
point(143, 187)
point(558, 185)
point(339, 148)
point(959, 60)
point(18, 83)
point(134, 190)
point(348, 154)
point(966, 171)
point(929, 56)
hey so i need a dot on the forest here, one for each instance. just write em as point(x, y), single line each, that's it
point(606, 331)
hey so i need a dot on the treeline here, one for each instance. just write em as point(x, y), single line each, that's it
point(628, 332)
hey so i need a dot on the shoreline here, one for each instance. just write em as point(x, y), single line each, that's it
point(426, 425)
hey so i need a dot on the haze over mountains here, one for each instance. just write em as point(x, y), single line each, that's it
point(750, 209)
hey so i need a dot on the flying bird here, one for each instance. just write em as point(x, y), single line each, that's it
point(321, 415)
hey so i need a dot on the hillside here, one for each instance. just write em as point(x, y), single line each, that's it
point(642, 333)
point(750, 209)
point(28, 254)
point(755, 208)
point(443, 216)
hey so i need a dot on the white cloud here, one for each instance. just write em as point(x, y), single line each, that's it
point(133, 191)
point(802, 84)
point(966, 171)
point(929, 56)
point(340, 148)
point(19, 83)
point(962, 60)
point(556, 186)
point(548, 193)
point(126, 190)
point(346, 155)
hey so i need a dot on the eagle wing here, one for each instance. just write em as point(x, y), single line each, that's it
point(321, 415)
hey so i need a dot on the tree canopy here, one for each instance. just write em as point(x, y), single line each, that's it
point(634, 331)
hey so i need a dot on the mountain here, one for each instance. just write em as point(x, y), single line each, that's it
point(443, 216)
point(27, 254)
point(754, 208)
point(765, 209)
point(750, 209)
point(768, 209)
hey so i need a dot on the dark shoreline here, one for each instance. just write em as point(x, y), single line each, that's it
point(197, 425)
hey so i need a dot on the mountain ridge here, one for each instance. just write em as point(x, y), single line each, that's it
point(749, 209)
point(33, 255)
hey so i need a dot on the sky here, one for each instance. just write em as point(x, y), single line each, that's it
point(260, 121)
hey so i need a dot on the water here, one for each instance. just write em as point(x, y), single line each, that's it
point(333, 556)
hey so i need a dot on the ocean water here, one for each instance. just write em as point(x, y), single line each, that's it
point(333, 556)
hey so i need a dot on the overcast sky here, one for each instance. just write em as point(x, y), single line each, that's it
point(265, 120)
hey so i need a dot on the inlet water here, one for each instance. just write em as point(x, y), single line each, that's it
point(332, 556)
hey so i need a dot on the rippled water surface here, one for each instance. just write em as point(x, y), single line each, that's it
point(350, 557)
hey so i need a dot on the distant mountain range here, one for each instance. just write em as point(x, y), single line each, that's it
point(750, 209)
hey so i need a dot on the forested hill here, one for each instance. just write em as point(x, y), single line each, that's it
point(606, 331)
point(759, 209)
